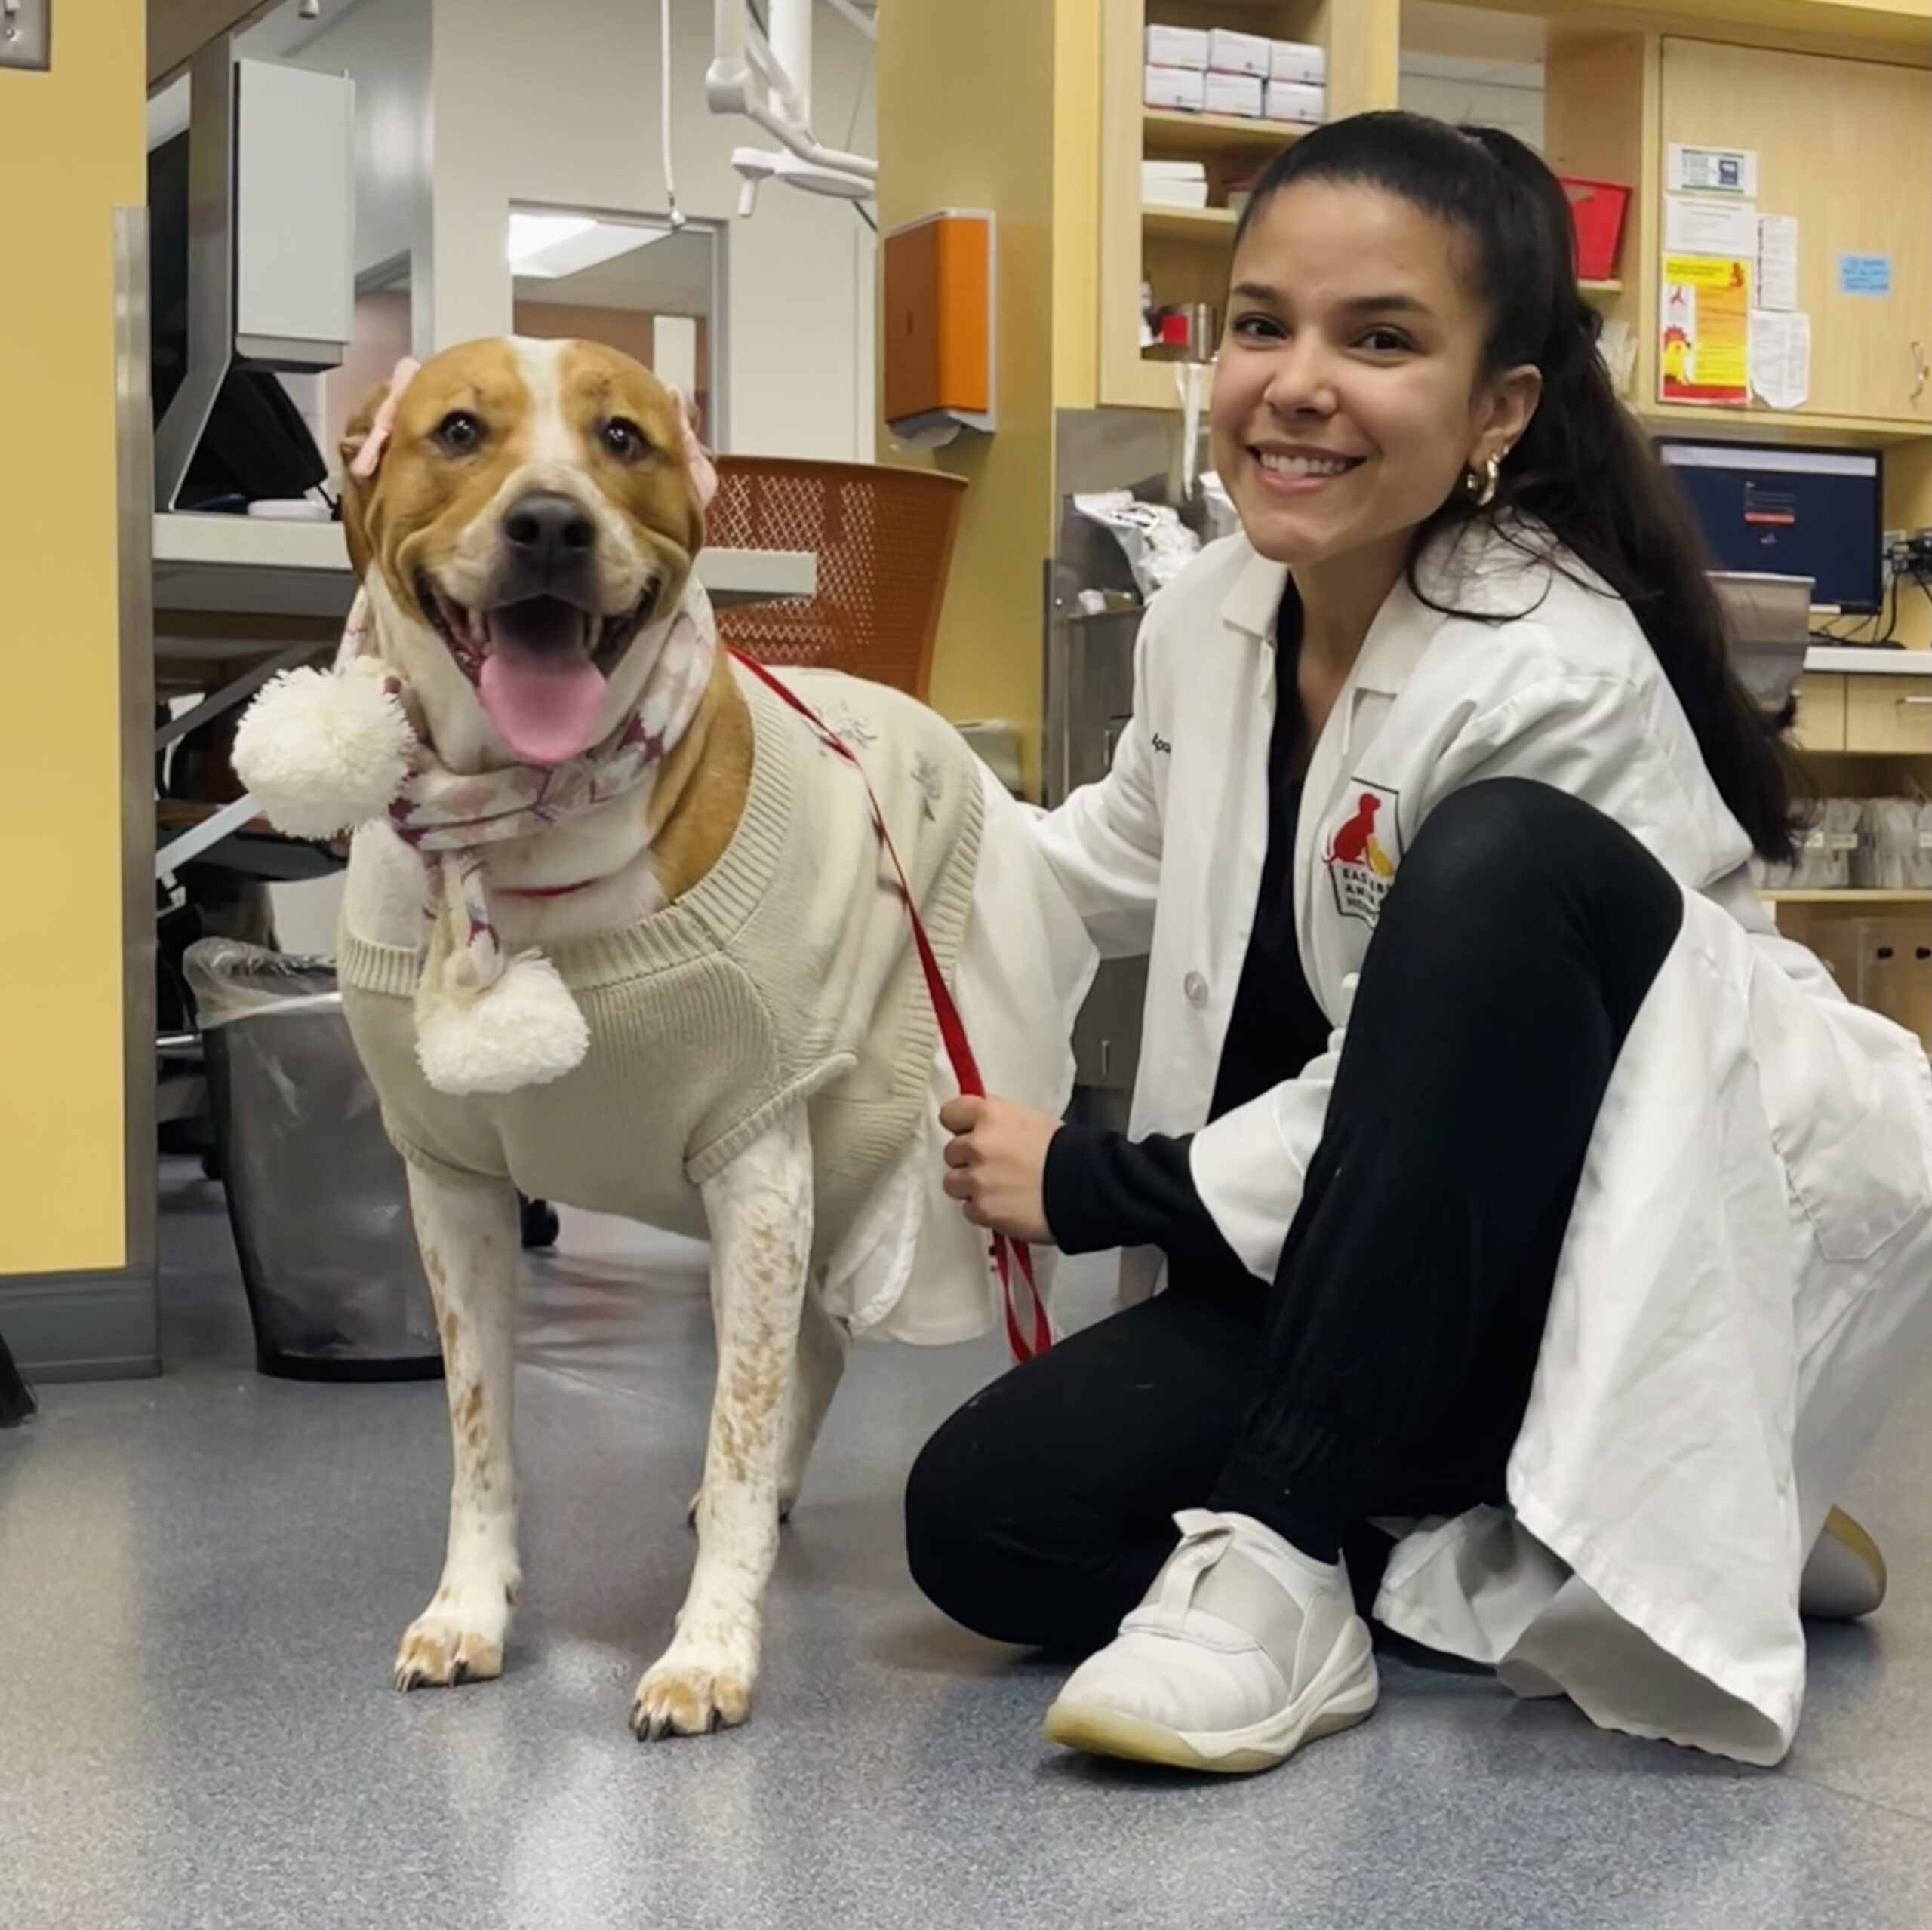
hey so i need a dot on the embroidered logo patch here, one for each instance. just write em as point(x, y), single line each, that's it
point(1362, 852)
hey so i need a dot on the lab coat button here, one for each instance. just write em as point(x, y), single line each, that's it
point(1195, 987)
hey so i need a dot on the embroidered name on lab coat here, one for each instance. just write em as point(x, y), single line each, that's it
point(1361, 853)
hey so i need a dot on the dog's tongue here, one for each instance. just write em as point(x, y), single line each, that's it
point(544, 711)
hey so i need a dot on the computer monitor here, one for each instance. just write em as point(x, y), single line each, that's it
point(255, 443)
point(1789, 511)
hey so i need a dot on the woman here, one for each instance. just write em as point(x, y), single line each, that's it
point(1569, 1280)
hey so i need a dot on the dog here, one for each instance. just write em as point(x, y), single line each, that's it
point(618, 932)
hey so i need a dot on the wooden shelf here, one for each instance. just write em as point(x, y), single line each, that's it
point(1188, 224)
point(1881, 29)
point(1850, 899)
point(1777, 424)
point(1594, 291)
point(1175, 128)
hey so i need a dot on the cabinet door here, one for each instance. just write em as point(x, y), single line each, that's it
point(1846, 146)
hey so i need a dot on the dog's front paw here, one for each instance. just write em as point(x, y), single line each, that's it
point(458, 1638)
point(437, 1653)
point(696, 1687)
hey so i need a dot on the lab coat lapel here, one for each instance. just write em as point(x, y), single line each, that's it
point(1250, 608)
point(1396, 639)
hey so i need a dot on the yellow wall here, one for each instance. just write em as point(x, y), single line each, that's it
point(967, 119)
point(72, 150)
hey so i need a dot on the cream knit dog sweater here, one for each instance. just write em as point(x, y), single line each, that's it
point(788, 973)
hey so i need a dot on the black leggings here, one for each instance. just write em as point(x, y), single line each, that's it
point(1386, 1370)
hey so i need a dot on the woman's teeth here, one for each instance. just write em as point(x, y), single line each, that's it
point(1304, 465)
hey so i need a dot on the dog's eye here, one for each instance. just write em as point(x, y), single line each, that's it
point(460, 432)
point(623, 439)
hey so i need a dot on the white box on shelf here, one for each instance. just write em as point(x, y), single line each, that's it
point(1182, 88)
point(1297, 61)
point(1163, 191)
point(1234, 93)
point(1296, 101)
point(1173, 170)
point(1177, 47)
point(1229, 52)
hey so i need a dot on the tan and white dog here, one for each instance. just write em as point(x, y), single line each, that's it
point(523, 519)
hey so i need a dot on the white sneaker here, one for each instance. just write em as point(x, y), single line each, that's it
point(1844, 1577)
point(1244, 1649)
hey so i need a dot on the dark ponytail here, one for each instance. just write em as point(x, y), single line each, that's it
point(1584, 468)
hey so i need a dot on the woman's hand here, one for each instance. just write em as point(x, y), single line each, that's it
point(996, 1165)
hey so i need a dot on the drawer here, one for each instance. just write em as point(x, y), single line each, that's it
point(1821, 706)
point(1889, 714)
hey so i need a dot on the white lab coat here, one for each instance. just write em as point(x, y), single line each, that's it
point(1749, 1257)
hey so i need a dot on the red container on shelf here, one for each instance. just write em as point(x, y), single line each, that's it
point(1596, 214)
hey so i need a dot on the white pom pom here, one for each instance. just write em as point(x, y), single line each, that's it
point(525, 1030)
point(322, 752)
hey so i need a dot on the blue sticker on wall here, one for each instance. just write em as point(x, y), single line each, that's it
point(1865, 275)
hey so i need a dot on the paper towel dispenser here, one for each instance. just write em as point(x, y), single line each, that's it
point(937, 326)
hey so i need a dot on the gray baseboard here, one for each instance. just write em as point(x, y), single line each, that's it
point(95, 1326)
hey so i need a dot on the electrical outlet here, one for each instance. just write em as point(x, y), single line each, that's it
point(23, 33)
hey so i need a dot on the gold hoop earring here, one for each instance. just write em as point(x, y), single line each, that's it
point(1479, 485)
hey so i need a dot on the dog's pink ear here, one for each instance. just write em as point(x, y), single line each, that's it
point(698, 458)
point(362, 450)
point(369, 452)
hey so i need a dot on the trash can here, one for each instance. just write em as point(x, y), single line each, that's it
point(317, 1195)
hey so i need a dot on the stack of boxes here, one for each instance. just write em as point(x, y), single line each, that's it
point(1216, 70)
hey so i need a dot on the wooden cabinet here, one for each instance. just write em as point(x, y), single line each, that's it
point(1846, 147)
point(1183, 254)
point(1821, 704)
point(1889, 716)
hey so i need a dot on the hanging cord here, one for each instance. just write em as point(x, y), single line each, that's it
point(664, 115)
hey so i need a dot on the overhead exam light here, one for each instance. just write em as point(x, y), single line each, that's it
point(769, 81)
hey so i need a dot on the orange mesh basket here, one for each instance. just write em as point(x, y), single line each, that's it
point(883, 539)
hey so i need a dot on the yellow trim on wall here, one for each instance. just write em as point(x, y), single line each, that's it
point(1076, 327)
point(72, 147)
point(965, 116)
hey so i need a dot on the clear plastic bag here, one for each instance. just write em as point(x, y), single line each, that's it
point(1895, 845)
point(1157, 544)
point(317, 1196)
point(1826, 844)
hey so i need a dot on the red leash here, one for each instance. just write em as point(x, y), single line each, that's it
point(1013, 1259)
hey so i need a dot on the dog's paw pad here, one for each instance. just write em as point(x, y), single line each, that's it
point(689, 1699)
point(439, 1653)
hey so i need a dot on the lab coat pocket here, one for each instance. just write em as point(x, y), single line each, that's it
point(1843, 1090)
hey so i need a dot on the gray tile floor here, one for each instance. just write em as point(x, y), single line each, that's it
point(202, 1578)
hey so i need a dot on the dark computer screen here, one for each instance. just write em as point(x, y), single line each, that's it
point(256, 443)
point(1791, 512)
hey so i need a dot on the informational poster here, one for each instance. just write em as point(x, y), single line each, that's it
point(1865, 275)
point(1691, 169)
point(1781, 357)
point(1777, 262)
point(1706, 346)
point(1703, 225)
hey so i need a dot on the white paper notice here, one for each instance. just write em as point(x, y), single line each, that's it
point(1694, 226)
point(1712, 170)
point(1781, 357)
point(1777, 262)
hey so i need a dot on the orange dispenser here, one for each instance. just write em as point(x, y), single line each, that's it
point(937, 325)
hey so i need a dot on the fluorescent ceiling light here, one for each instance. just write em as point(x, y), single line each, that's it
point(543, 247)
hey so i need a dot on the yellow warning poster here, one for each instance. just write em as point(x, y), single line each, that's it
point(1706, 349)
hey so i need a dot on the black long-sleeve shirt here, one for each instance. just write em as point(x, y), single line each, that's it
point(1103, 1190)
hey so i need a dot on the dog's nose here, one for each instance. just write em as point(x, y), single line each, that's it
point(548, 533)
